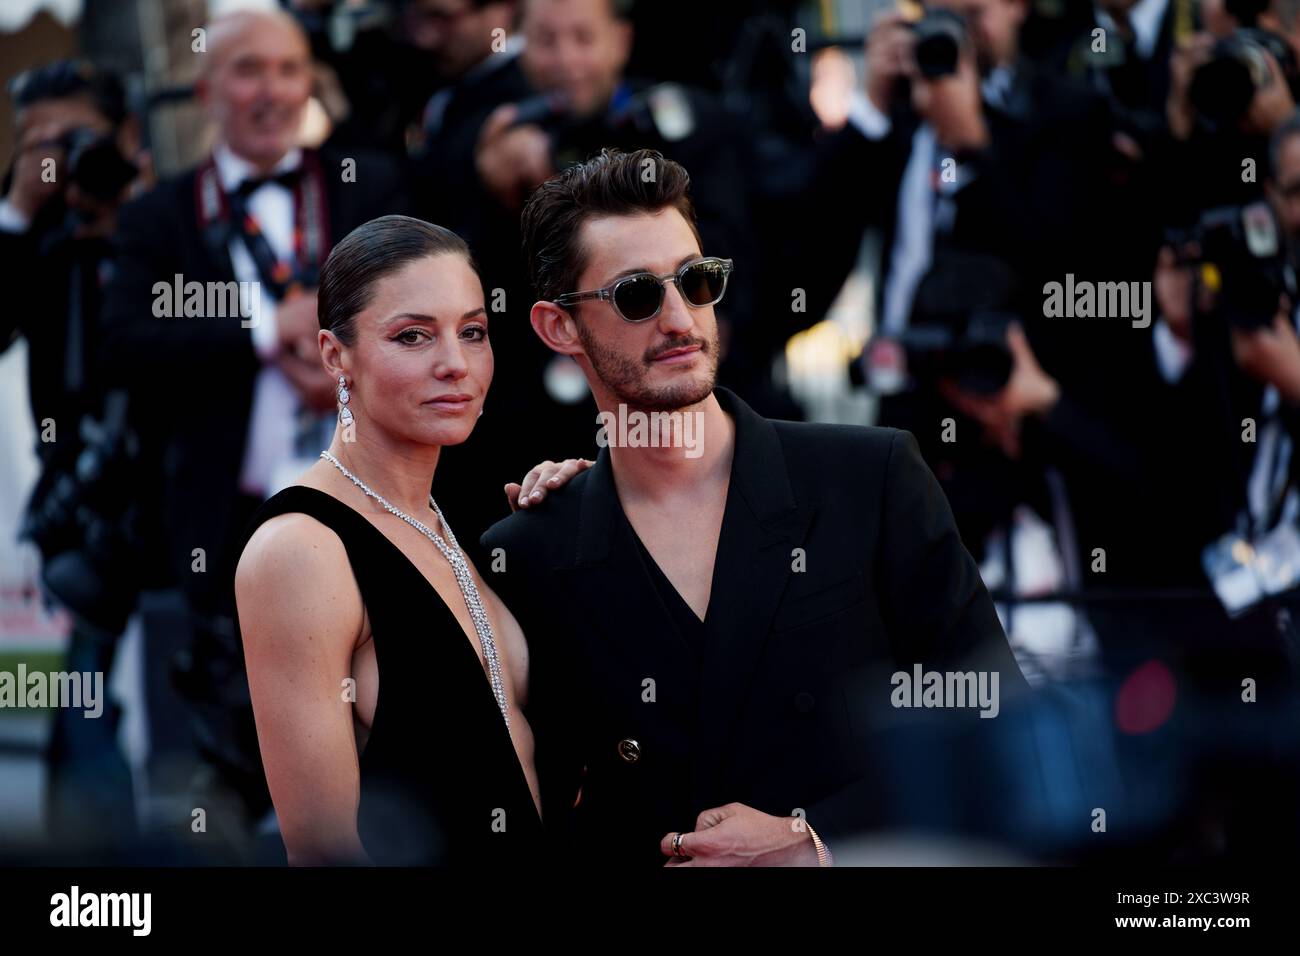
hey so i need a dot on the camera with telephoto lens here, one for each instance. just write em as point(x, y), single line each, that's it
point(95, 164)
point(940, 35)
point(1241, 257)
point(1222, 88)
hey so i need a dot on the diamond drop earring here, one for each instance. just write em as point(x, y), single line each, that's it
point(345, 413)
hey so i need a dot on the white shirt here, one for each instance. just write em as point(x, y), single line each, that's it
point(269, 462)
point(11, 220)
point(917, 213)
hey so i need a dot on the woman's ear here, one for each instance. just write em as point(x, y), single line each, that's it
point(331, 353)
point(556, 327)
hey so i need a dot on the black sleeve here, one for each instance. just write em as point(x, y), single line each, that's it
point(935, 607)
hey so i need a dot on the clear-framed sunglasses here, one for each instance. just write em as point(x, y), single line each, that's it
point(638, 297)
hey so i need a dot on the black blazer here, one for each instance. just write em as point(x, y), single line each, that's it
point(192, 378)
point(768, 716)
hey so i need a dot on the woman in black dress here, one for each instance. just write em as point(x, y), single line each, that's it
point(352, 575)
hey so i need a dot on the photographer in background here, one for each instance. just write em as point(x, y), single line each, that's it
point(958, 142)
point(389, 57)
point(1124, 50)
point(77, 157)
point(1229, 351)
point(1227, 97)
point(481, 72)
point(997, 178)
point(573, 57)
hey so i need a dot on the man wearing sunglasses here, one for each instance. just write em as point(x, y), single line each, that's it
point(708, 630)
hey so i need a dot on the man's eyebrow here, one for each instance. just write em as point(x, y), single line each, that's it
point(635, 272)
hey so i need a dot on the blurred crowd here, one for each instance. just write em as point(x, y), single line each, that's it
point(1087, 217)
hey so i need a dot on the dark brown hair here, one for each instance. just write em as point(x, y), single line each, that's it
point(368, 253)
point(611, 184)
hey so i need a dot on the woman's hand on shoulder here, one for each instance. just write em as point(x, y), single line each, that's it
point(548, 476)
point(300, 614)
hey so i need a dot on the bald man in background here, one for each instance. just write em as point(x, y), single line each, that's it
point(234, 399)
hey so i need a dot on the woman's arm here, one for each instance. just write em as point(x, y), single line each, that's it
point(300, 614)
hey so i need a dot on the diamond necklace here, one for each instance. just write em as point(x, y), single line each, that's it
point(464, 578)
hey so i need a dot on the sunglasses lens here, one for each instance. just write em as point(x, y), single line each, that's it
point(639, 297)
point(703, 282)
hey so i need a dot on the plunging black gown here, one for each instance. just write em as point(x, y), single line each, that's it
point(441, 783)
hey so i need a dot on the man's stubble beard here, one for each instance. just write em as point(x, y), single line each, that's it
point(625, 377)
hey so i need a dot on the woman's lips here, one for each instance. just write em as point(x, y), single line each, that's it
point(449, 402)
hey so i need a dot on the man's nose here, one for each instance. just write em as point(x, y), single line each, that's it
point(675, 315)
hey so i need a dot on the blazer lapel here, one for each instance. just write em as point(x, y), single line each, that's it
point(761, 527)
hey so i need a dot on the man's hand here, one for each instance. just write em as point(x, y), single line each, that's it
point(512, 160)
point(737, 835)
point(1029, 391)
point(1272, 102)
point(888, 51)
point(953, 105)
point(1271, 355)
point(1190, 53)
point(297, 327)
point(313, 384)
point(547, 475)
point(29, 192)
point(297, 332)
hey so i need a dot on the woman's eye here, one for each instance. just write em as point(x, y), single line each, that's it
point(409, 337)
point(476, 333)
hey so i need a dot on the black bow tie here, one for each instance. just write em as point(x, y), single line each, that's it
point(288, 179)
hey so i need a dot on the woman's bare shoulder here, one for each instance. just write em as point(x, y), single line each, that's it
point(286, 541)
point(296, 569)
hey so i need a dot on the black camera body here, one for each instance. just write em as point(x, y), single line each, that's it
point(974, 354)
point(940, 35)
point(1222, 88)
point(95, 164)
point(1243, 247)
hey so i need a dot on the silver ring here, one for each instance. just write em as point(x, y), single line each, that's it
point(677, 844)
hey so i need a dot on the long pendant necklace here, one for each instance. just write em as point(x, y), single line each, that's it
point(460, 567)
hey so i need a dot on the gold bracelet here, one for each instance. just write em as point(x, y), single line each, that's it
point(823, 854)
